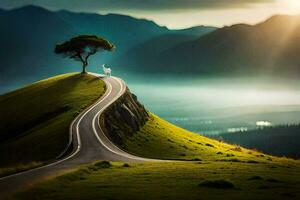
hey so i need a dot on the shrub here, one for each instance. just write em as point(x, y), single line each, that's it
point(209, 145)
point(255, 178)
point(196, 159)
point(229, 160)
point(184, 146)
point(219, 184)
point(273, 180)
point(234, 160)
point(102, 164)
point(237, 148)
point(126, 165)
point(263, 187)
point(169, 140)
point(252, 161)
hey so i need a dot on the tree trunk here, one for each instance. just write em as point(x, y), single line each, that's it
point(84, 65)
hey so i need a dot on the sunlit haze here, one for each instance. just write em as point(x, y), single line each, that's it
point(251, 14)
point(176, 13)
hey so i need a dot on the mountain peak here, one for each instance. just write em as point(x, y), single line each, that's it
point(280, 19)
point(30, 8)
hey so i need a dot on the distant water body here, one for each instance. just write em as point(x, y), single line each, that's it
point(214, 106)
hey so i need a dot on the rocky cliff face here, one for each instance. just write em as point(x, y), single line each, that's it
point(123, 118)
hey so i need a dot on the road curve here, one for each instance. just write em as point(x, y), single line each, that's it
point(90, 144)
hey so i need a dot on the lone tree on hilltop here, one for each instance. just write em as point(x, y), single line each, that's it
point(80, 48)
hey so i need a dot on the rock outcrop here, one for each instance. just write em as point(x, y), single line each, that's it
point(123, 118)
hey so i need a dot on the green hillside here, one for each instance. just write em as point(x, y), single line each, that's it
point(216, 171)
point(35, 119)
point(172, 180)
point(160, 139)
point(204, 168)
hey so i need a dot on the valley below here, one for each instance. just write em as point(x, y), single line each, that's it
point(216, 107)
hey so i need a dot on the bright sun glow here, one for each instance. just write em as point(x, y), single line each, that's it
point(294, 5)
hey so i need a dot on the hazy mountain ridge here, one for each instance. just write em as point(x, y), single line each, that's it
point(270, 47)
point(28, 36)
point(148, 53)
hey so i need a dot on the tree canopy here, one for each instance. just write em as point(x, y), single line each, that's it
point(80, 48)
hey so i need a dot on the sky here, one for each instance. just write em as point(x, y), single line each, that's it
point(175, 13)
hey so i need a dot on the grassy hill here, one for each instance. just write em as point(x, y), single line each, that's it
point(172, 180)
point(215, 171)
point(205, 168)
point(35, 119)
point(161, 139)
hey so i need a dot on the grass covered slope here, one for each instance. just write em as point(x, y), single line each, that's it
point(161, 139)
point(172, 180)
point(35, 119)
point(219, 171)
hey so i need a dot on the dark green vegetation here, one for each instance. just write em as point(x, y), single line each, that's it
point(80, 48)
point(269, 48)
point(35, 119)
point(30, 33)
point(178, 180)
point(278, 140)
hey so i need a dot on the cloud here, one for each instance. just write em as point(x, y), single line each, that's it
point(145, 5)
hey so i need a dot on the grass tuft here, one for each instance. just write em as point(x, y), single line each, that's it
point(218, 184)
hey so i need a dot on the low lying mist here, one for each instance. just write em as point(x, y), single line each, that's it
point(217, 105)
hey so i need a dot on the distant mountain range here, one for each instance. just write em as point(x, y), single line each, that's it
point(29, 34)
point(268, 48)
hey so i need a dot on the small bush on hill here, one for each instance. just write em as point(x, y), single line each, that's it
point(126, 165)
point(103, 165)
point(209, 145)
point(219, 184)
point(255, 178)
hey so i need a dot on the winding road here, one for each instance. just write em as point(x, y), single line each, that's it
point(90, 144)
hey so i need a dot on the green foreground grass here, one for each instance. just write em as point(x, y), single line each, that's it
point(35, 119)
point(173, 180)
point(215, 171)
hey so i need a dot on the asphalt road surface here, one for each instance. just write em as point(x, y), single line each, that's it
point(89, 140)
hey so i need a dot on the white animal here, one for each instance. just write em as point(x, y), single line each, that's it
point(106, 70)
